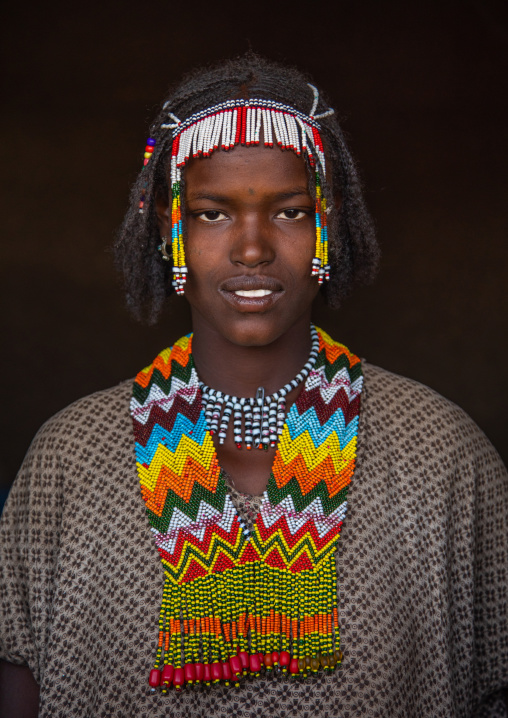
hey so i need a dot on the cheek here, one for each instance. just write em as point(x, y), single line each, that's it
point(205, 248)
point(202, 264)
point(199, 255)
point(296, 256)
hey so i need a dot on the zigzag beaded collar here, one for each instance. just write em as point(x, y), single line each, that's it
point(236, 602)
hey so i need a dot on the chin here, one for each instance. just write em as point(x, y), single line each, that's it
point(254, 331)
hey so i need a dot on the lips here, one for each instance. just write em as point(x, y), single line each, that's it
point(251, 293)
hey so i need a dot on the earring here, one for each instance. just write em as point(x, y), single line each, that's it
point(162, 248)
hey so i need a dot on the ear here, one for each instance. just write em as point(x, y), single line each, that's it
point(163, 213)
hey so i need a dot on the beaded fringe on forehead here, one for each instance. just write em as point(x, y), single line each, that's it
point(242, 122)
point(235, 601)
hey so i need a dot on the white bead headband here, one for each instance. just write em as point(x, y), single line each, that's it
point(233, 122)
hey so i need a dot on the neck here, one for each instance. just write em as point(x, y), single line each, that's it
point(240, 370)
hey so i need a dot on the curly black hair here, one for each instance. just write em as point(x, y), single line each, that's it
point(354, 251)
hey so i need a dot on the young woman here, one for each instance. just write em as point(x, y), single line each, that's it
point(172, 547)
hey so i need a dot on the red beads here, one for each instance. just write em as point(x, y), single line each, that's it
point(236, 665)
point(200, 672)
point(293, 666)
point(155, 678)
point(150, 144)
point(229, 671)
point(178, 679)
point(244, 659)
point(268, 661)
point(207, 674)
point(189, 673)
point(284, 660)
point(167, 674)
point(216, 672)
point(254, 663)
point(226, 672)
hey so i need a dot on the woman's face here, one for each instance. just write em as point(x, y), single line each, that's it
point(250, 240)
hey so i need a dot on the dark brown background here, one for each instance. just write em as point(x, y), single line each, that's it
point(421, 88)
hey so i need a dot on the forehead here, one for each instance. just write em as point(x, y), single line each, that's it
point(241, 168)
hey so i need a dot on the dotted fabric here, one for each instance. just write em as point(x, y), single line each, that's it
point(422, 571)
point(247, 505)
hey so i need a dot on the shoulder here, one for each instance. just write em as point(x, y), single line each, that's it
point(98, 421)
point(390, 395)
point(108, 405)
point(414, 419)
point(76, 453)
point(385, 390)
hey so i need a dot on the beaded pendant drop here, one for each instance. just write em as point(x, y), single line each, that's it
point(262, 416)
point(236, 602)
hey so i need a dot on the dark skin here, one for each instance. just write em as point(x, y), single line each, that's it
point(250, 227)
point(19, 692)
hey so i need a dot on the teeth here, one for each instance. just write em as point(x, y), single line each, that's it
point(253, 292)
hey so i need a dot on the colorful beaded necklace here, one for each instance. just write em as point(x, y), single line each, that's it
point(235, 601)
point(262, 416)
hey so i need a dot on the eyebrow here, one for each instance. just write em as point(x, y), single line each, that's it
point(292, 193)
point(208, 196)
point(221, 199)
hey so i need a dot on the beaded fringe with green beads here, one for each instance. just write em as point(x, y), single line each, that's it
point(178, 251)
point(234, 601)
point(253, 608)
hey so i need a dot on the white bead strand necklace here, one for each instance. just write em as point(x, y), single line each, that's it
point(262, 417)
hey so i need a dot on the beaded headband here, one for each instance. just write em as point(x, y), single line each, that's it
point(235, 122)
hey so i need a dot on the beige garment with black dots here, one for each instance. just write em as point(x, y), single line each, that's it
point(422, 571)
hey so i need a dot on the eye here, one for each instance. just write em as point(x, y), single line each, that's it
point(294, 214)
point(211, 215)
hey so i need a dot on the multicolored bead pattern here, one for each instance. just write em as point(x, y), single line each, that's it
point(235, 122)
point(262, 416)
point(320, 266)
point(236, 601)
point(149, 148)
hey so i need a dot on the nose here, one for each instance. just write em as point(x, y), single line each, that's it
point(252, 243)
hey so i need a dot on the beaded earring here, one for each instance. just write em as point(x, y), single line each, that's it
point(235, 122)
point(149, 148)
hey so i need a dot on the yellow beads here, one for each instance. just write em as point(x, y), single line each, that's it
point(269, 593)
